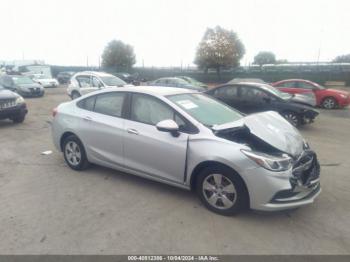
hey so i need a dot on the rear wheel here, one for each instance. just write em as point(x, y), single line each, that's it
point(222, 191)
point(75, 95)
point(74, 153)
point(329, 103)
point(292, 118)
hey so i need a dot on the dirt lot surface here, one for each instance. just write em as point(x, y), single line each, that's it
point(46, 208)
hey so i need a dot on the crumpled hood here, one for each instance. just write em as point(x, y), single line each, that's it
point(271, 128)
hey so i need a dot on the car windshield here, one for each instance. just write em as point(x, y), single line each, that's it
point(112, 81)
point(22, 80)
point(276, 92)
point(205, 109)
point(319, 86)
point(192, 81)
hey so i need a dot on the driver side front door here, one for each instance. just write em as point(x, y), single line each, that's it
point(149, 151)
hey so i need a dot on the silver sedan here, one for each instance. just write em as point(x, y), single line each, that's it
point(189, 140)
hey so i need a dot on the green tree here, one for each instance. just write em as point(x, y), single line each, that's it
point(219, 48)
point(342, 59)
point(264, 57)
point(118, 56)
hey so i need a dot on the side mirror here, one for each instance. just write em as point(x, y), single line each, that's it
point(168, 125)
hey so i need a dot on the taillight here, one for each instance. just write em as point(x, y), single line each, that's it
point(54, 112)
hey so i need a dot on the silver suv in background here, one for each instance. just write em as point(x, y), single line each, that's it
point(190, 140)
point(85, 82)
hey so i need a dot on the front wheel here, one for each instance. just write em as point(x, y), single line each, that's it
point(329, 103)
point(19, 118)
point(222, 191)
point(292, 118)
point(74, 153)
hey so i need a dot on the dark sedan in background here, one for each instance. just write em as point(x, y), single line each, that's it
point(12, 106)
point(22, 85)
point(176, 82)
point(64, 77)
point(254, 97)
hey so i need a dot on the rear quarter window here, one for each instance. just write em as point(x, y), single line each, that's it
point(87, 103)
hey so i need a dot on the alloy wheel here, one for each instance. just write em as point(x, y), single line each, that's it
point(328, 103)
point(292, 118)
point(73, 153)
point(219, 191)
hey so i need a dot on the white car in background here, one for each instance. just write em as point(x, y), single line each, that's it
point(89, 81)
point(45, 81)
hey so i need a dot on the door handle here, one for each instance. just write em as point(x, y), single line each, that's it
point(87, 118)
point(132, 131)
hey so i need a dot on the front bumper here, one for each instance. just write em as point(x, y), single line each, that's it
point(49, 84)
point(299, 186)
point(344, 102)
point(13, 111)
point(309, 116)
point(31, 92)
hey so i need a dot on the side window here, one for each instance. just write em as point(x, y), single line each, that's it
point(252, 94)
point(96, 82)
point(7, 81)
point(287, 84)
point(84, 81)
point(150, 110)
point(304, 85)
point(110, 103)
point(87, 103)
point(226, 91)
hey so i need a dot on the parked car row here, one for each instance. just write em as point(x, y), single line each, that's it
point(247, 95)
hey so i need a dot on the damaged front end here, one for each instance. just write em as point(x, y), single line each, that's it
point(278, 147)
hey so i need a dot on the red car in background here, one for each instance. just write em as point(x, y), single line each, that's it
point(325, 97)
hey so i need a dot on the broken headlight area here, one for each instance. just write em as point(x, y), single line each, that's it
point(306, 170)
point(261, 152)
point(272, 163)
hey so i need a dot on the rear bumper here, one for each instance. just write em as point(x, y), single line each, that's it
point(13, 112)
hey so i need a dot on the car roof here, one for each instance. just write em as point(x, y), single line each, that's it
point(294, 79)
point(252, 84)
point(151, 90)
point(246, 80)
point(95, 73)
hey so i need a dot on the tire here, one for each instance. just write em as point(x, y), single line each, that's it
point(19, 118)
point(329, 103)
point(292, 118)
point(216, 199)
point(74, 153)
point(75, 95)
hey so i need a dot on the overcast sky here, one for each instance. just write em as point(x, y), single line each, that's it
point(166, 32)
